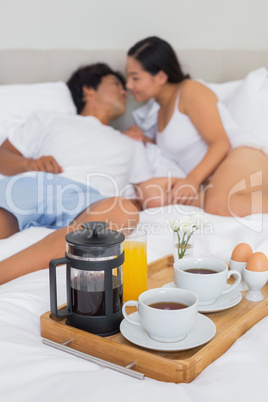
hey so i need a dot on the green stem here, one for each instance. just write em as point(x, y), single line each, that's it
point(183, 243)
point(178, 244)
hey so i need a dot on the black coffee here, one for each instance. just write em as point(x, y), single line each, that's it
point(93, 302)
point(168, 306)
point(202, 271)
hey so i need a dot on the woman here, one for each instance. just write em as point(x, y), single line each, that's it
point(190, 132)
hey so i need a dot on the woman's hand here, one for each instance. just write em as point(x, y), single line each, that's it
point(136, 134)
point(44, 164)
point(184, 191)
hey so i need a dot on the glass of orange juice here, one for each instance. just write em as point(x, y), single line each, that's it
point(135, 265)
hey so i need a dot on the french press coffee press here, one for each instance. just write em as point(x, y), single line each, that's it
point(94, 257)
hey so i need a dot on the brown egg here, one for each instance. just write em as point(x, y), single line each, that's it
point(241, 252)
point(257, 262)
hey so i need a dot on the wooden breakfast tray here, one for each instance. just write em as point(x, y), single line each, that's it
point(175, 367)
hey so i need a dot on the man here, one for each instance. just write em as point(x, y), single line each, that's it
point(83, 168)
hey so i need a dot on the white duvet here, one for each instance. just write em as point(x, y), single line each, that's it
point(31, 371)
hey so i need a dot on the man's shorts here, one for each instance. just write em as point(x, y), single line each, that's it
point(45, 199)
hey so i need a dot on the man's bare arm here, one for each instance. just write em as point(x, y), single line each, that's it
point(13, 162)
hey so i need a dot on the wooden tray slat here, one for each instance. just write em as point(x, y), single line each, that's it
point(176, 367)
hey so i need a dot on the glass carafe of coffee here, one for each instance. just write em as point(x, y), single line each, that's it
point(94, 257)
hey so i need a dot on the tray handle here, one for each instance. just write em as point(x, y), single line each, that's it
point(64, 348)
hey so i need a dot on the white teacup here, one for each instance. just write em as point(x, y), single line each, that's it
point(208, 287)
point(165, 325)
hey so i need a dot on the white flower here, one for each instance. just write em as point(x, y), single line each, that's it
point(188, 223)
point(184, 228)
point(175, 225)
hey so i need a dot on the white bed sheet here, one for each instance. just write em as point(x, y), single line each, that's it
point(31, 371)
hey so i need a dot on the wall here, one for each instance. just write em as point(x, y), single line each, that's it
point(90, 24)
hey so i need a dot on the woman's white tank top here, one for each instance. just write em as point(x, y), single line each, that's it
point(181, 142)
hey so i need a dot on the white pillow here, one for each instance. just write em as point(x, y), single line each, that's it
point(223, 90)
point(18, 102)
point(248, 105)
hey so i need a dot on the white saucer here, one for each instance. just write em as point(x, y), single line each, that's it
point(222, 303)
point(203, 330)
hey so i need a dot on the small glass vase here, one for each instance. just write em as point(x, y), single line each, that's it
point(181, 247)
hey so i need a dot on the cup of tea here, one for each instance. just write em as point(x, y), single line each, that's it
point(206, 277)
point(166, 314)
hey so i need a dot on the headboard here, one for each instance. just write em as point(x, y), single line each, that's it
point(30, 66)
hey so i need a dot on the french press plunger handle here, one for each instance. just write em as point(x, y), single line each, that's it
point(95, 226)
point(53, 287)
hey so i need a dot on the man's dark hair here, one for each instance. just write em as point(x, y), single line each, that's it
point(89, 76)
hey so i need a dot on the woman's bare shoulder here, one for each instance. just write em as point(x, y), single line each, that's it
point(194, 88)
point(194, 91)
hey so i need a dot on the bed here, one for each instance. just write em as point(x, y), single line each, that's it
point(31, 371)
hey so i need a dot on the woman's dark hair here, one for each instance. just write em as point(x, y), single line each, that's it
point(155, 55)
point(89, 76)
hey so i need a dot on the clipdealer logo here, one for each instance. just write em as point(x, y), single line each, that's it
point(254, 221)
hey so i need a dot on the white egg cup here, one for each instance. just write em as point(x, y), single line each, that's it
point(238, 266)
point(256, 281)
